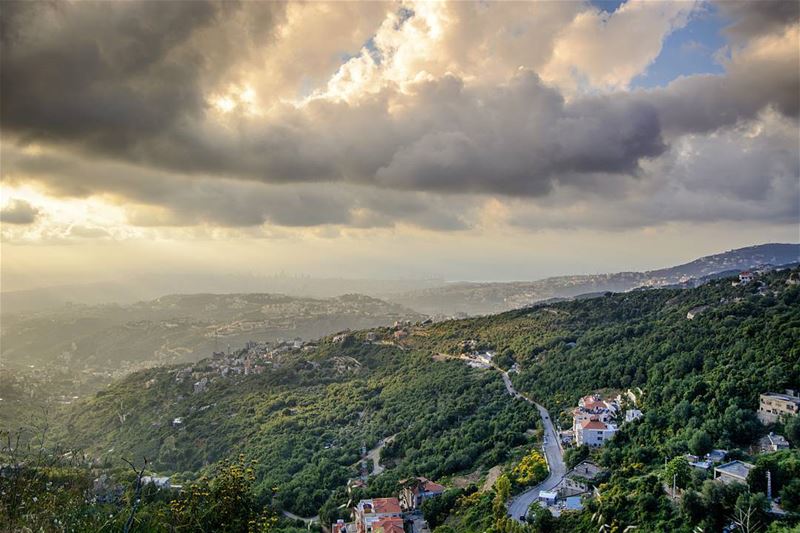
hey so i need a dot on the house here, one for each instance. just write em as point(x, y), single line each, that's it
point(745, 277)
point(412, 495)
point(773, 406)
point(633, 414)
point(388, 525)
point(773, 443)
point(548, 497)
point(177, 422)
point(700, 465)
point(695, 311)
point(594, 433)
point(201, 386)
point(591, 420)
point(733, 472)
point(580, 479)
point(368, 512)
point(159, 482)
point(340, 338)
point(716, 456)
point(339, 527)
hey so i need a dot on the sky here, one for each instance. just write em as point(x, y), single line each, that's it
point(464, 140)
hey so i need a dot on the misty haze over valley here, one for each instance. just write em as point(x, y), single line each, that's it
point(400, 267)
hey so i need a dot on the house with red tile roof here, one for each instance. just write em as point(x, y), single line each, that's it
point(416, 491)
point(592, 420)
point(388, 525)
point(369, 512)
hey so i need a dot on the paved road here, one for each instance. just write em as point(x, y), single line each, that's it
point(308, 521)
point(518, 506)
point(374, 455)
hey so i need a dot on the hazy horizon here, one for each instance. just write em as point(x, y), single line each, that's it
point(201, 280)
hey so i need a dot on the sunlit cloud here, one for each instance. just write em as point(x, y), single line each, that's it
point(362, 122)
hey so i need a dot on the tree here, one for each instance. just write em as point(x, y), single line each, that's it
point(750, 512)
point(790, 496)
point(677, 472)
point(224, 503)
point(543, 520)
point(502, 489)
point(692, 506)
point(573, 456)
point(700, 443)
point(793, 430)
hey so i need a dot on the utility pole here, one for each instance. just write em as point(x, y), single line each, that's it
point(769, 485)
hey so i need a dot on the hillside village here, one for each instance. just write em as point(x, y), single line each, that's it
point(573, 442)
point(595, 422)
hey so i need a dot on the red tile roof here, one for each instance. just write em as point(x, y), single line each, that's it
point(389, 525)
point(430, 486)
point(593, 424)
point(426, 484)
point(386, 505)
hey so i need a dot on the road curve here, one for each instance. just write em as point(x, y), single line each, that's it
point(518, 506)
point(308, 521)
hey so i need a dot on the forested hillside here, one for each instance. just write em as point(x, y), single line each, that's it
point(305, 419)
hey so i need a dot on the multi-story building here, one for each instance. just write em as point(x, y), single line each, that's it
point(774, 406)
point(579, 480)
point(412, 496)
point(594, 433)
point(369, 512)
point(591, 420)
point(745, 277)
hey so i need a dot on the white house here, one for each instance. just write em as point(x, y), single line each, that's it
point(160, 482)
point(633, 414)
point(368, 513)
point(591, 420)
point(594, 433)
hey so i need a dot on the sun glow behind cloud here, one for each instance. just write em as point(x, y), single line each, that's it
point(461, 124)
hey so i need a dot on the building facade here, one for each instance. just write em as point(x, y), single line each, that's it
point(774, 406)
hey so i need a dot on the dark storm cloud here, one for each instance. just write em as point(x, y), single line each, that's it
point(19, 212)
point(158, 199)
point(111, 75)
point(517, 140)
point(751, 18)
point(705, 103)
point(131, 81)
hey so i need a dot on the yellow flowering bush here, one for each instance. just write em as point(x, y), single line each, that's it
point(531, 469)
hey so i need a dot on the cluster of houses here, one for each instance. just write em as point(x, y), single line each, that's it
point(255, 358)
point(391, 515)
point(400, 330)
point(773, 407)
point(580, 481)
point(594, 419)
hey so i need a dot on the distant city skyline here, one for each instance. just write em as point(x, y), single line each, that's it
point(464, 141)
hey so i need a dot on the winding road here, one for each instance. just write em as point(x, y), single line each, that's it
point(519, 505)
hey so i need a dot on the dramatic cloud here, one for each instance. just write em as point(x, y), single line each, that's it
point(18, 212)
point(378, 115)
point(757, 18)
